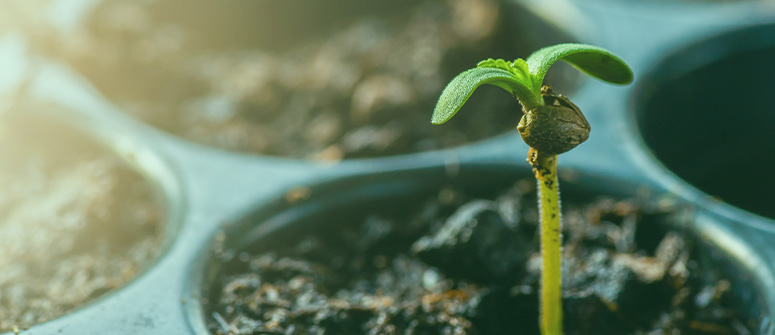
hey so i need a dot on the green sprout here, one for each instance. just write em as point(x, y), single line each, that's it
point(551, 124)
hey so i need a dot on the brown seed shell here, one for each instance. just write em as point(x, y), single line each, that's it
point(555, 127)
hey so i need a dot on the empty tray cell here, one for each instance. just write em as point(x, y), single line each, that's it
point(706, 114)
point(75, 221)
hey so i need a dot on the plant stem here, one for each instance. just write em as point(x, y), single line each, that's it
point(530, 99)
point(545, 169)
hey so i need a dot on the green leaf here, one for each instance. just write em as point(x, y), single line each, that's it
point(594, 61)
point(460, 89)
point(518, 67)
point(497, 64)
point(520, 64)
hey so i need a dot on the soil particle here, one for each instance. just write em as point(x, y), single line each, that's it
point(75, 222)
point(461, 265)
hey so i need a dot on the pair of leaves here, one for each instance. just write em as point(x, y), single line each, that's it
point(524, 79)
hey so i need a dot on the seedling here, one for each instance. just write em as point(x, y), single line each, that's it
point(551, 124)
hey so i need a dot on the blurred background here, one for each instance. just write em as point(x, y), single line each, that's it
point(292, 78)
point(296, 79)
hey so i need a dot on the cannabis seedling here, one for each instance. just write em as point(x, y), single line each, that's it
point(551, 125)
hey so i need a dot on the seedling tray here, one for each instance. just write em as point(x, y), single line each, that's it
point(210, 192)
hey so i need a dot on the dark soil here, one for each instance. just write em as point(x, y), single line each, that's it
point(461, 265)
point(318, 81)
point(75, 222)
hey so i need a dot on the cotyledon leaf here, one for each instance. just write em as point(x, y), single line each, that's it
point(594, 61)
point(461, 87)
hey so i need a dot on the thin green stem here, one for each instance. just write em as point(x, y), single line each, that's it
point(545, 169)
point(529, 99)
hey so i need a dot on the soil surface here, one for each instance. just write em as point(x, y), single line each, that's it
point(322, 82)
point(75, 222)
point(462, 265)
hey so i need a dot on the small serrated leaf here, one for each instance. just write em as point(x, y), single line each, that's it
point(461, 87)
point(520, 64)
point(594, 61)
point(496, 64)
point(518, 67)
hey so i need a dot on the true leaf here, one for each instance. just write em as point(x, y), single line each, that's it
point(518, 67)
